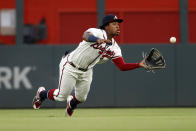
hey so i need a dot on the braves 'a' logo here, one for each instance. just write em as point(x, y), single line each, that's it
point(102, 50)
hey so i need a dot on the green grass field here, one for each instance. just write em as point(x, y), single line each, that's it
point(109, 119)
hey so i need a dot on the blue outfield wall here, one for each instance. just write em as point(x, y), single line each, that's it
point(24, 68)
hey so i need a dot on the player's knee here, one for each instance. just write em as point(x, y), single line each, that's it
point(63, 99)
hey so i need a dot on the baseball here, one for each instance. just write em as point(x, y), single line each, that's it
point(173, 40)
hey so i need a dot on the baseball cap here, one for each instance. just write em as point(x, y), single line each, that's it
point(109, 18)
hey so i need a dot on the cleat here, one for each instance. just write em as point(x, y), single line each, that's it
point(69, 110)
point(37, 100)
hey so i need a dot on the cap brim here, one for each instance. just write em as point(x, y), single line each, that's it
point(118, 20)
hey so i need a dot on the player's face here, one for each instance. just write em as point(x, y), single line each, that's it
point(113, 28)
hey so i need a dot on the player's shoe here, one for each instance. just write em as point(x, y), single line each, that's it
point(37, 100)
point(69, 110)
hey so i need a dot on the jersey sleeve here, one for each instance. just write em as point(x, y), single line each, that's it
point(96, 32)
point(117, 51)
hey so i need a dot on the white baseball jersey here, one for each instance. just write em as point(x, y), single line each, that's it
point(85, 56)
point(88, 54)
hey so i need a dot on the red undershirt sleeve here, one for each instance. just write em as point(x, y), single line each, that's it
point(120, 63)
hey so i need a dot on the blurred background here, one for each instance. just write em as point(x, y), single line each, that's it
point(34, 34)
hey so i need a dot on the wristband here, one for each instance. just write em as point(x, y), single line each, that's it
point(92, 38)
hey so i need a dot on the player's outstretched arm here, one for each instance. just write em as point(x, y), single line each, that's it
point(120, 63)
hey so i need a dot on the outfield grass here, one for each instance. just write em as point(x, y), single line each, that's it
point(112, 119)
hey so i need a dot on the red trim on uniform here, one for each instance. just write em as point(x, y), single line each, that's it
point(59, 87)
point(50, 94)
point(74, 97)
point(120, 63)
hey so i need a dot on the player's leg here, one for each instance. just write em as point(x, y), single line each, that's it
point(81, 91)
point(66, 84)
point(37, 101)
point(42, 93)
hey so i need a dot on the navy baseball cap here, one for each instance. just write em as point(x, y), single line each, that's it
point(108, 19)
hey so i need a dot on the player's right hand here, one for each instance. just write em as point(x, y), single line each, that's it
point(100, 41)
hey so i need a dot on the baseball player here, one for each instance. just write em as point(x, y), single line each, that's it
point(76, 68)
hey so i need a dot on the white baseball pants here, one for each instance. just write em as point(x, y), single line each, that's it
point(71, 78)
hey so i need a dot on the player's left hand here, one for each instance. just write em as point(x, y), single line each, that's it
point(154, 60)
point(143, 64)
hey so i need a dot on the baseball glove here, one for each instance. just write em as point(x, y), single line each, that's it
point(154, 60)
